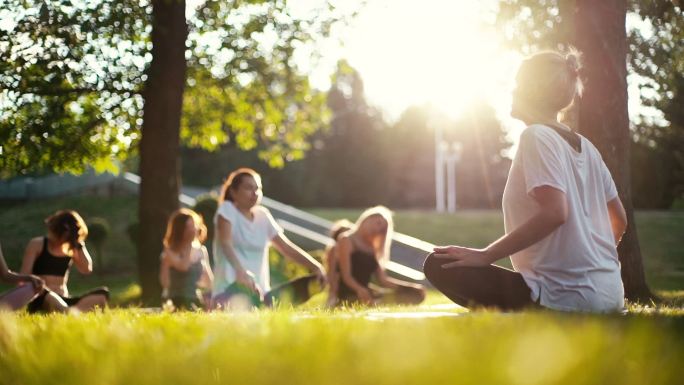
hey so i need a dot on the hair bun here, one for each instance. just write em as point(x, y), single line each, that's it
point(573, 63)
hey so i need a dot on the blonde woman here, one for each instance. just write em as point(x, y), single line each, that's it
point(362, 253)
point(185, 261)
point(563, 217)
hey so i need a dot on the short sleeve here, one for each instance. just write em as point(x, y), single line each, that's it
point(541, 162)
point(227, 211)
point(608, 183)
point(273, 229)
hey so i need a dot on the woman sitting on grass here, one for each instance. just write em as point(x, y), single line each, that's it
point(331, 265)
point(29, 287)
point(185, 261)
point(50, 257)
point(244, 232)
point(562, 214)
point(361, 253)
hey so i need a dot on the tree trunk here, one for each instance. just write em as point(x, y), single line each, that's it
point(159, 144)
point(603, 116)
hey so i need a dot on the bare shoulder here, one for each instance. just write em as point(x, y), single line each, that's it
point(35, 243)
point(168, 253)
point(344, 242)
point(34, 247)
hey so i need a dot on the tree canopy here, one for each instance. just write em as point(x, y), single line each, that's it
point(72, 80)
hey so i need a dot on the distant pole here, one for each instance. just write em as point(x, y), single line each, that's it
point(452, 159)
point(439, 170)
point(451, 184)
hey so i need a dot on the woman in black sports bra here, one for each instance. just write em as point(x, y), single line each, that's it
point(361, 253)
point(50, 258)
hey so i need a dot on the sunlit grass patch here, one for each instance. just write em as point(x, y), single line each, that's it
point(341, 346)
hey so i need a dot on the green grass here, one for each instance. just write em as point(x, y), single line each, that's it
point(342, 347)
point(394, 345)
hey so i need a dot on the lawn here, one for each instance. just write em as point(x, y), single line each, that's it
point(431, 344)
point(386, 346)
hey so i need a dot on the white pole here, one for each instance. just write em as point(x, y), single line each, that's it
point(451, 183)
point(439, 170)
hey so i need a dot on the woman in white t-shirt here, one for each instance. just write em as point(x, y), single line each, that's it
point(562, 214)
point(244, 232)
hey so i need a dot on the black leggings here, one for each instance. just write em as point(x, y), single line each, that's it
point(488, 286)
point(36, 305)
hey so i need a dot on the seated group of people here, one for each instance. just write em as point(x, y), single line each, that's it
point(241, 275)
point(562, 214)
point(563, 219)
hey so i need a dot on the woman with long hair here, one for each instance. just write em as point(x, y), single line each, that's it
point(50, 257)
point(362, 253)
point(562, 214)
point(245, 230)
point(185, 261)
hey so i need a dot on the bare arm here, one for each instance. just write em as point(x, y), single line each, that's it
point(384, 280)
point(82, 260)
point(207, 278)
point(242, 276)
point(226, 243)
point(618, 219)
point(30, 254)
point(164, 274)
point(5, 274)
point(333, 274)
point(552, 213)
point(296, 254)
point(8, 276)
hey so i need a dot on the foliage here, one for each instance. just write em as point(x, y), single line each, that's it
point(655, 63)
point(72, 76)
point(657, 57)
point(98, 232)
point(206, 206)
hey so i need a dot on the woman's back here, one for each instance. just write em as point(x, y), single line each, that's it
point(576, 266)
point(363, 265)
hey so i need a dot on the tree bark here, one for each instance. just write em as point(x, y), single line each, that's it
point(159, 144)
point(604, 119)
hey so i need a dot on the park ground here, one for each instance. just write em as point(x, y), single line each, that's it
point(430, 344)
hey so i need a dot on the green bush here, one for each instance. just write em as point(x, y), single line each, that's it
point(133, 232)
point(206, 206)
point(98, 232)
